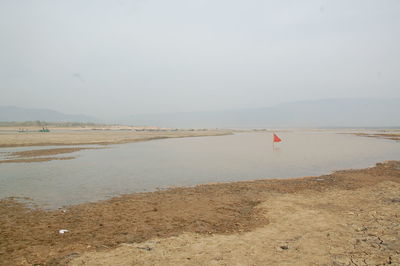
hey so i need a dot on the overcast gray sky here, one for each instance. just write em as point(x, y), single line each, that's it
point(108, 58)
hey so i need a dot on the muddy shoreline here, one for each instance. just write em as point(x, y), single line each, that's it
point(31, 236)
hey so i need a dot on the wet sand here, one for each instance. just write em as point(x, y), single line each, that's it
point(99, 137)
point(36, 160)
point(392, 136)
point(30, 156)
point(349, 217)
point(72, 136)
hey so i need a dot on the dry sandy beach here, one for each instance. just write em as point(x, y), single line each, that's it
point(348, 217)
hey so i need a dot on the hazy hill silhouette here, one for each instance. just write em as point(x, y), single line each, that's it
point(318, 113)
point(17, 114)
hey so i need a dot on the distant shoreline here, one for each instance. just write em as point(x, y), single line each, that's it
point(91, 136)
point(114, 135)
point(385, 135)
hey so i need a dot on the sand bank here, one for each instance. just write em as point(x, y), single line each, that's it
point(83, 137)
point(100, 137)
point(385, 135)
point(30, 156)
point(338, 219)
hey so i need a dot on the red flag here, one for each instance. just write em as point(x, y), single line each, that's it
point(276, 138)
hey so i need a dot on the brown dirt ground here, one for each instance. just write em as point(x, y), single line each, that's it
point(345, 218)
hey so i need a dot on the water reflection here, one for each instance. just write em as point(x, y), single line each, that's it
point(144, 166)
point(276, 149)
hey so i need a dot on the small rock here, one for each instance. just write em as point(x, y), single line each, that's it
point(362, 229)
point(145, 248)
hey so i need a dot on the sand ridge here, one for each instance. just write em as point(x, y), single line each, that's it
point(30, 156)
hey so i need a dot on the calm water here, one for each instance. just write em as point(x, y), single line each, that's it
point(146, 166)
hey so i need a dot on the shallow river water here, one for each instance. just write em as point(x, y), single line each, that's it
point(145, 166)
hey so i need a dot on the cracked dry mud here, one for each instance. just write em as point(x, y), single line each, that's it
point(339, 227)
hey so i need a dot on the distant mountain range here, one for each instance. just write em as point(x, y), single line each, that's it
point(17, 114)
point(318, 113)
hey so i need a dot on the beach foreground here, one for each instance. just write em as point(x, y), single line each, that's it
point(347, 217)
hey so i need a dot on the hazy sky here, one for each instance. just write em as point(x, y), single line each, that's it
point(107, 58)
